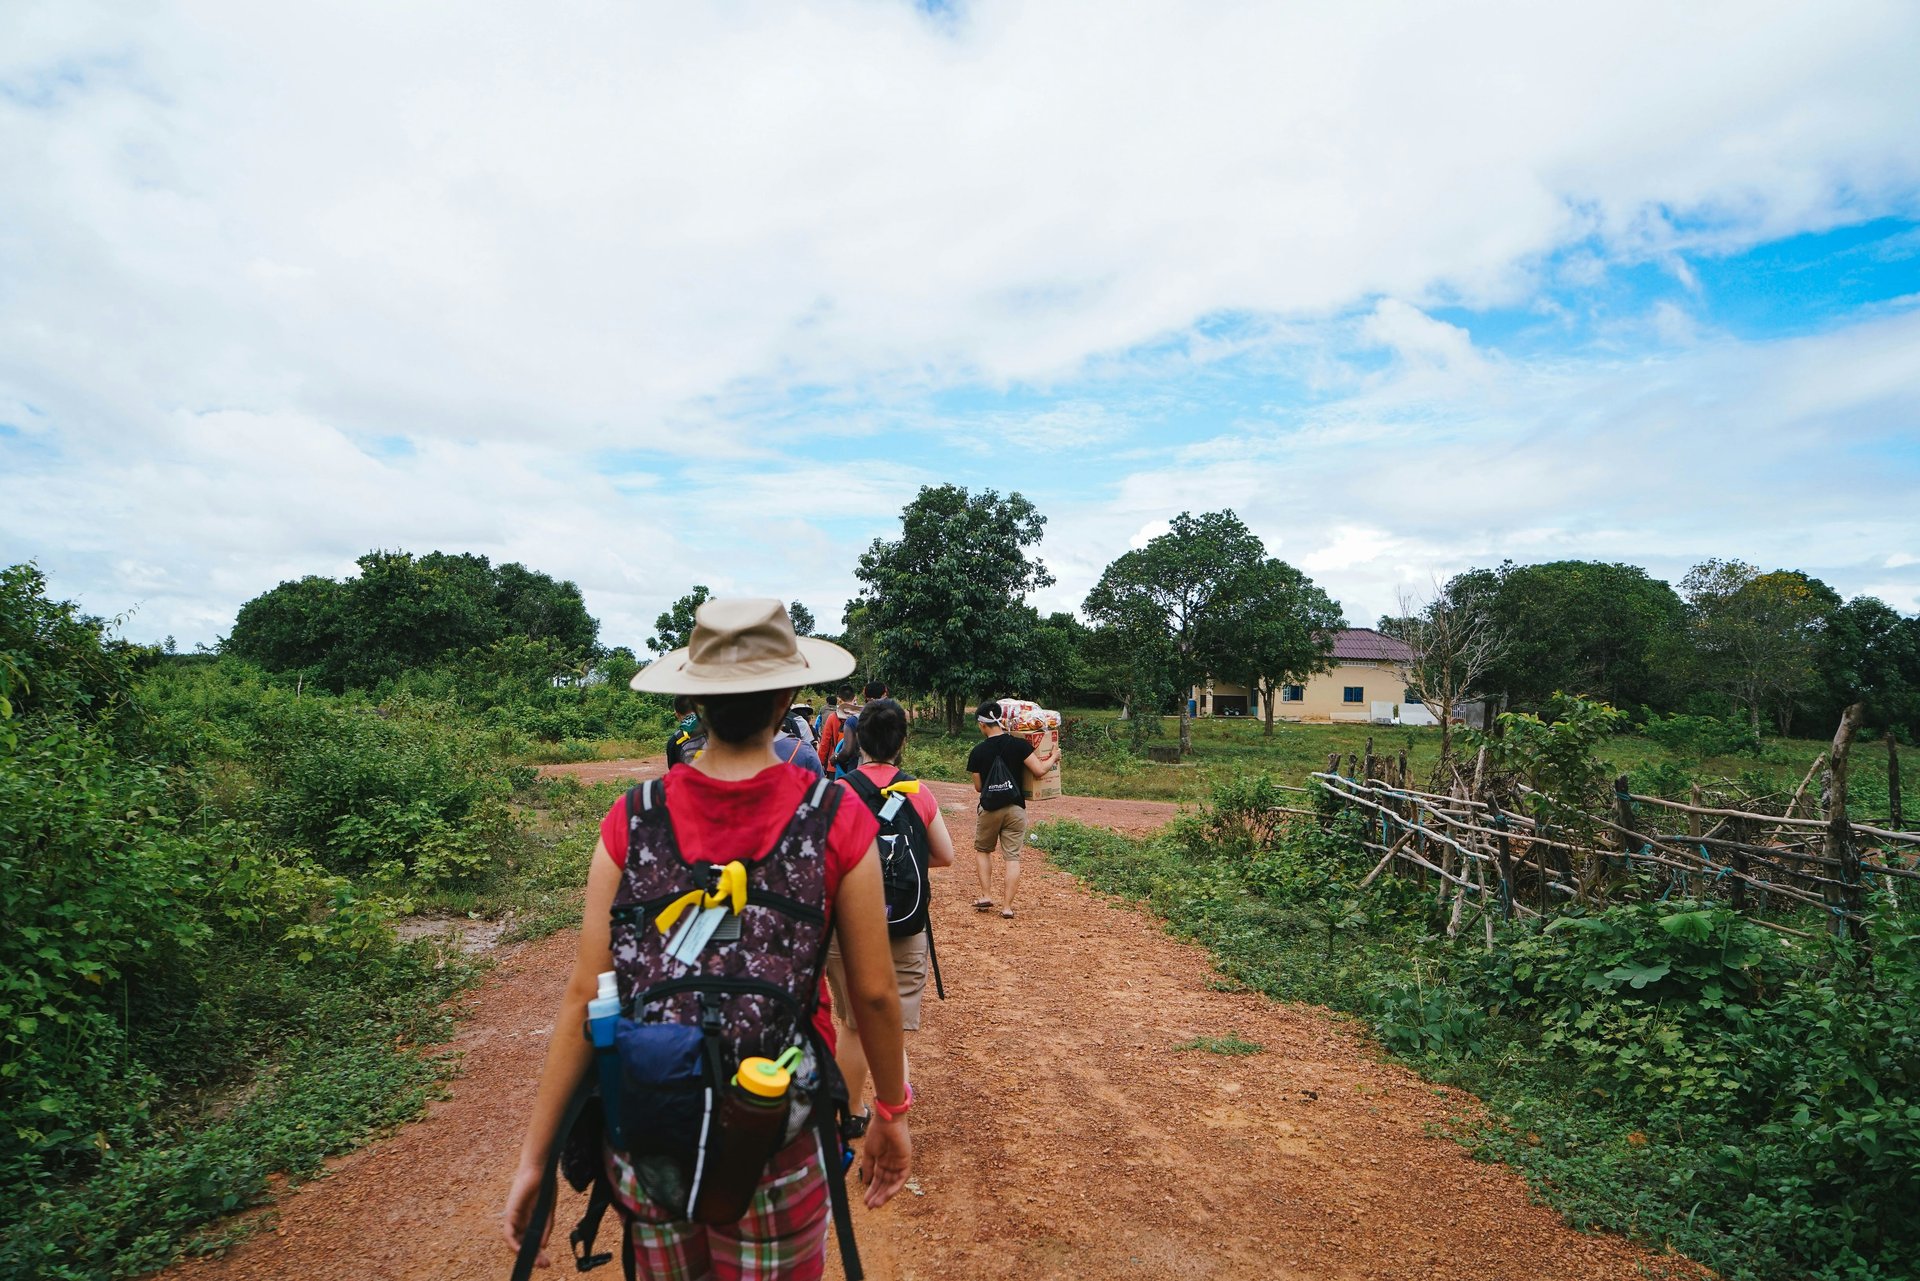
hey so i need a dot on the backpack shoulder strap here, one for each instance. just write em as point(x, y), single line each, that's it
point(865, 788)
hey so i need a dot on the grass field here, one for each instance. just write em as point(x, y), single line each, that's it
point(1097, 763)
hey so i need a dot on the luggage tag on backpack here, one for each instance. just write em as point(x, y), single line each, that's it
point(696, 933)
point(892, 807)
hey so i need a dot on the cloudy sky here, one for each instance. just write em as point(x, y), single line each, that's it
point(644, 295)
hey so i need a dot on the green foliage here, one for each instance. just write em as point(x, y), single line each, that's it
point(404, 613)
point(1177, 603)
point(55, 661)
point(1702, 735)
point(1606, 631)
point(941, 608)
point(1280, 628)
point(199, 982)
point(1554, 756)
point(1670, 1070)
point(1754, 636)
point(674, 629)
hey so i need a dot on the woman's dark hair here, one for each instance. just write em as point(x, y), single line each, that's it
point(874, 689)
point(882, 730)
point(735, 718)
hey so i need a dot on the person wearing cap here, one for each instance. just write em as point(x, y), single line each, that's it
point(1000, 820)
point(742, 668)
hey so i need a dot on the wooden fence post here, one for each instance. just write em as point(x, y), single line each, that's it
point(1840, 832)
point(1505, 858)
point(1742, 832)
point(1893, 781)
point(1630, 841)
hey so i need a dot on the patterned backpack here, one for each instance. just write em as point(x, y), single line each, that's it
point(691, 1011)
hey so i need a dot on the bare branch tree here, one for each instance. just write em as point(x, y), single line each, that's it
point(1454, 645)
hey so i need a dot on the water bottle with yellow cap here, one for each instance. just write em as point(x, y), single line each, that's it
point(752, 1116)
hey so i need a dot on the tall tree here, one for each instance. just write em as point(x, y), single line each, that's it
point(405, 612)
point(1182, 589)
point(942, 606)
point(540, 607)
point(1755, 635)
point(1589, 627)
point(674, 629)
point(1455, 641)
point(803, 622)
point(298, 624)
point(1279, 631)
point(1869, 654)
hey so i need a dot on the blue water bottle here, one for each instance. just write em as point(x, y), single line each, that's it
point(603, 1019)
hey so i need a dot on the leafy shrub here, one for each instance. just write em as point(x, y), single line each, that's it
point(1702, 735)
point(1670, 1070)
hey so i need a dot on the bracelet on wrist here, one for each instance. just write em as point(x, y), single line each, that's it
point(895, 1111)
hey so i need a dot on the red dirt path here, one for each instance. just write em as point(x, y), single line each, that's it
point(1060, 1133)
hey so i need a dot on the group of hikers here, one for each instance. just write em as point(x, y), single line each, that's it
point(776, 877)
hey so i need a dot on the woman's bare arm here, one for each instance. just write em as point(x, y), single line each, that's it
point(568, 1053)
point(939, 840)
point(860, 917)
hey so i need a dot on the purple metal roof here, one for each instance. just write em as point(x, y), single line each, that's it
point(1363, 644)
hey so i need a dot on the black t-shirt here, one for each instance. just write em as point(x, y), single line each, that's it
point(1010, 748)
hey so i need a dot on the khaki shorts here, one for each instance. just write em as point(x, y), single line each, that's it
point(909, 971)
point(1007, 826)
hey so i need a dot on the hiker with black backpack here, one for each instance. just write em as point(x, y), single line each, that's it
point(999, 764)
point(913, 839)
point(706, 1108)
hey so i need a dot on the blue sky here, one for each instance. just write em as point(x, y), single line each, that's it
point(645, 298)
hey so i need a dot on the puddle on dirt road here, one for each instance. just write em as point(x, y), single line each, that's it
point(471, 936)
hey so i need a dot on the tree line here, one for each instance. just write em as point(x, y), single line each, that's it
point(942, 612)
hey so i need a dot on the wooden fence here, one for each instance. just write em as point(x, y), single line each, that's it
point(1484, 856)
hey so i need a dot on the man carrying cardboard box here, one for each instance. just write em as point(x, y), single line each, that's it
point(1000, 764)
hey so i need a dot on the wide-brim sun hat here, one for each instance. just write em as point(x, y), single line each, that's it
point(741, 646)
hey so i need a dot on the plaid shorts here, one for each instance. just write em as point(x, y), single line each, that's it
point(781, 1237)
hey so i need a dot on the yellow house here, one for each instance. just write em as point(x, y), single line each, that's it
point(1367, 682)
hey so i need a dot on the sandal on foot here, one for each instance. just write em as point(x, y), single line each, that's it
point(982, 904)
point(1007, 912)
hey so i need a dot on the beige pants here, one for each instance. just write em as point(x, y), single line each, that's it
point(1006, 826)
point(909, 971)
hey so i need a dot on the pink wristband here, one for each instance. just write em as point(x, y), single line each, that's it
point(886, 1113)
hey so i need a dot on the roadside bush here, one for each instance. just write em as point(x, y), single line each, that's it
point(190, 999)
point(1670, 1070)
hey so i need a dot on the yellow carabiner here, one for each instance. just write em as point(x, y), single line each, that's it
point(671, 912)
point(733, 885)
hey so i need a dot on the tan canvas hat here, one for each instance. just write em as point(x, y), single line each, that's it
point(740, 646)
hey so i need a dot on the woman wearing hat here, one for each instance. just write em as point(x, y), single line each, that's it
point(742, 667)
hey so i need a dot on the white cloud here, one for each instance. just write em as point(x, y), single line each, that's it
point(241, 242)
point(1754, 450)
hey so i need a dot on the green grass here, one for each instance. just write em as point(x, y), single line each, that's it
point(1230, 1044)
point(358, 1060)
point(1095, 762)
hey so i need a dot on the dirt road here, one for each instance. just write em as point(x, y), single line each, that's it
point(1061, 1131)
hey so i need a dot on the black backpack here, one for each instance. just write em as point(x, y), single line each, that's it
point(998, 789)
point(905, 855)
